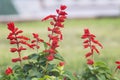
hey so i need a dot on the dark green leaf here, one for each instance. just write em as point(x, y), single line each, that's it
point(69, 75)
point(45, 45)
point(59, 57)
point(27, 67)
point(34, 56)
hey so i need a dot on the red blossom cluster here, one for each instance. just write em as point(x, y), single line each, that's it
point(17, 39)
point(35, 42)
point(91, 43)
point(56, 35)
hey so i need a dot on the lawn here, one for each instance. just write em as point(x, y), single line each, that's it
point(107, 31)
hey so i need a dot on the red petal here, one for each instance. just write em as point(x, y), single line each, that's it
point(49, 29)
point(13, 50)
point(52, 23)
point(23, 37)
point(86, 45)
point(50, 57)
point(20, 31)
point(57, 10)
point(61, 37)
point(35, 35)
point(84, 36)
point(62, 13)
point(86, 31)
point(62, 63)
point(25, 58)
point(16, 59)
point(13, 42)
point(90, 62)
point(86, 41)
point(63, 7)
point(118, 67)
point(33, 41)
point(88, 54)
point(117, 62)
point(48, 17)
point(92, 35)
point(94, 48)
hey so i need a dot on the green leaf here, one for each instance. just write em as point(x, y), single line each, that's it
point(51, 67)
point(34, 56)
point(34, 73)
point(55, 72)
point(45, 45)
point(59, 57)
point(16, 67)
point(27, 67)
point(69, 75)
point(34, 78)
point(101, 77)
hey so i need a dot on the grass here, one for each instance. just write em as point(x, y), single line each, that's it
point(107, 31)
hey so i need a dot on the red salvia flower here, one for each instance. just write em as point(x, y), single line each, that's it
point(8, 71)
point(17, 39)
point(56, 35)
point(90, 42)
point(36, 41)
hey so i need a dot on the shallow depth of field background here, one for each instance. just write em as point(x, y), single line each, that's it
point(107, 31)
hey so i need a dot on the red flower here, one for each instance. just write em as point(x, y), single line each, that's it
point(90, 42)
point(8, 71)
point(36, 41)
point(62, 63)
point(55, 34)
point(17, 39)
point(90, 62)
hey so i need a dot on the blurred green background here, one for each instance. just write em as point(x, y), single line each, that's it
point(107, 31)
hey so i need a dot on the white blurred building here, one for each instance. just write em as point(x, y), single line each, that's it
point(37, 9)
